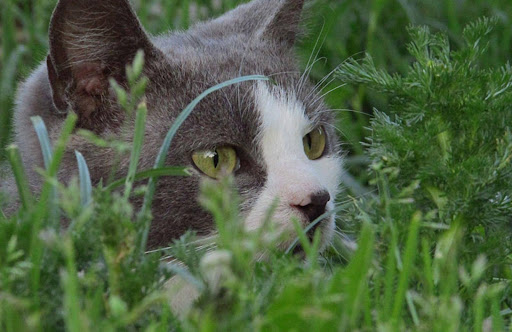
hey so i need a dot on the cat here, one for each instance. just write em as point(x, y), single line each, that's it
point(277, 139)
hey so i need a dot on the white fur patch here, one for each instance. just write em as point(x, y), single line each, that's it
point(291, 176)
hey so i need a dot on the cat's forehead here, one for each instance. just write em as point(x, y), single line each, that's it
point(225, 57)
point(232, 115)
point(201, 62)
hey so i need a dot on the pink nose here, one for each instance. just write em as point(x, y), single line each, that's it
point(316, 205)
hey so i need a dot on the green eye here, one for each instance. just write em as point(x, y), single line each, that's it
point(314, 143)
point(216, 163)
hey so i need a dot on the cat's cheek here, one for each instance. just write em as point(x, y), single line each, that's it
point(256, 215)
point(330, 170)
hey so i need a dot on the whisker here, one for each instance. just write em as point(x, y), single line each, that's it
point(336, 128)
point(306, 71)
point(348, 110)
point(310, 65)
point(332, 72)
point(321, 84)
point(204, 240)
point(284, 72)
point(326, 93)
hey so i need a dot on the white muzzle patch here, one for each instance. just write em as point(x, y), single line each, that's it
point(292, 178)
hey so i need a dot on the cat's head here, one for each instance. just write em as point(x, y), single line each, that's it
point(277, 139)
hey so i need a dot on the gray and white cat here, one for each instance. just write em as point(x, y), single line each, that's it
point(278, 140)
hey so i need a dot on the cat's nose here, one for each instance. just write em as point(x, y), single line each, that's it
point(315, 206)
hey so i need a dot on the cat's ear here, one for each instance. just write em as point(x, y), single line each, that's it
point(91, 41)
point(282, 25)
point(274, 20)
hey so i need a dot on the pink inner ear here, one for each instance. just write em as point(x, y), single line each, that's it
point(90, 78)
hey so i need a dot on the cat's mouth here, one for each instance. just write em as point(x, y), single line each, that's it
point(298, 251)
point(323, 227)
point(314, 213)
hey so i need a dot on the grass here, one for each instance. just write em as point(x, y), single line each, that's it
point(429, 141)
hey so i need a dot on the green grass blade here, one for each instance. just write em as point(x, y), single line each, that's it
point(8, 76)
point(60, 145)
point(356, 279)
point(411, 248)
point(85, 180)
point(497, 320)
point(412, 309)
point(185, 14)
point(47, 151)
point(389, 275)
point(70, 285)
point(138, 139)
point(44, 140)
point(19, 176)
point(427, 267)
point(301, 235)
point(478, 308)
point(46, 207)
point(159, 163)
point(358, 270)
point(143, 307)
point(8, 28)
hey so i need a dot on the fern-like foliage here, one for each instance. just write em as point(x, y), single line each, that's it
point(444, 143)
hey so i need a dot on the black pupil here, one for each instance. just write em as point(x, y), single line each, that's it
point(215, 159)
point(308, 138)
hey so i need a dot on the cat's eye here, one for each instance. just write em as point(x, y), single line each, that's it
point(314, 143)
point(217, 162)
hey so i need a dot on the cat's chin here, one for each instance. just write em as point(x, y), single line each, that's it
point(289, 243)
point(289, 236)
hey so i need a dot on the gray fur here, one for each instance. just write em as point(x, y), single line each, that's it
point(92, 40)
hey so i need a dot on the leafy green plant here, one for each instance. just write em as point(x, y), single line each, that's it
point(443, 151)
